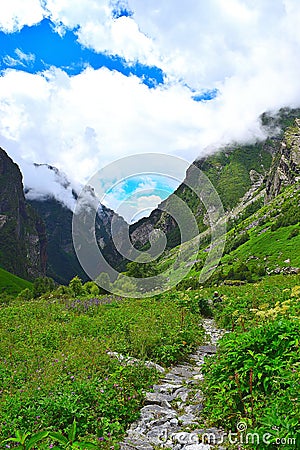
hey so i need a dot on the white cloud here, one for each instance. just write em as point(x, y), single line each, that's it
point(22, 59)
point(45, 181)
point(14, 14)
point(248, 49)
point(26, 58)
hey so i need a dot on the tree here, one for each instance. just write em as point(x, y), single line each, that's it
point(76, 287)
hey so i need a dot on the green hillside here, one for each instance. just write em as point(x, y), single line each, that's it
point(11, 284)
point(267, 242)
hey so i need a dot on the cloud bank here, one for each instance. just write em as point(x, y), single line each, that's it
point(246, 49)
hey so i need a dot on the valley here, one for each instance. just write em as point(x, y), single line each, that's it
point(60, 380)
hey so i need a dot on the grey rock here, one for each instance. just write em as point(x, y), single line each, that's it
point(151, 364)
point(199, 376)
point(166, 388)
point(153, 412)
point(174, 422)
point(181, 393)
point(209, 349)
point(154, 397)
point(172, 378)
point(129, 361)
point(135, 444)
point(194, 409)
point(187, 419)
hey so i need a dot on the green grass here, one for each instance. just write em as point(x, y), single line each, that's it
point(54, 365)
point(11, 284)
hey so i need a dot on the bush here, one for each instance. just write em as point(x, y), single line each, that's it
point(26, 294)
point(91, 288)
point(76, 287)
point(204, 307)
point(42, 285)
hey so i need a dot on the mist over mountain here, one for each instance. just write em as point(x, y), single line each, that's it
point(236, 171)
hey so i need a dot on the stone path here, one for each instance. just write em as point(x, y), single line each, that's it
point(172, 411)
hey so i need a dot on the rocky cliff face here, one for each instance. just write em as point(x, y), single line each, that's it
point(285, 169)
point(22, 232)
point(63, 264)
point(62, 261)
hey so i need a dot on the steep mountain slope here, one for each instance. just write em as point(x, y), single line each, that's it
point(238, 174)
point(22, 232)
point(285, 169)
point(62, 262)
point(262, 239)
point(11, 284)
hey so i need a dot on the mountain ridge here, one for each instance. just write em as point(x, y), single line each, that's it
point(22, 232)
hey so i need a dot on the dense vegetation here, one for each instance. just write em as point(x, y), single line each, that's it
point(255, 377)
point(55, 366)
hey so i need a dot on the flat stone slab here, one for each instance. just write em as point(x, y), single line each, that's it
point(187, 419)
point(155, 397)
point(210, 349)
point(166, 388)
point(182, 372)
point(152, 412)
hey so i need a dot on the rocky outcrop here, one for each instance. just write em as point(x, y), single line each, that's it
point(22, 231)
point(285, 169)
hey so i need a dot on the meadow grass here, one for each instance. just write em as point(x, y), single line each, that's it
point(55, 367)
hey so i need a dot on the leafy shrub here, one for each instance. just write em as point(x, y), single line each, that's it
point(91, 288)
point(26, 294)
point(76, 287)
point(254, 379)
point(42, 285)
point(204, 307)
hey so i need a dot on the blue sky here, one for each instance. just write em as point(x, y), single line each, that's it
point(137, 196)
point(84, 83)
point(36, 48)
